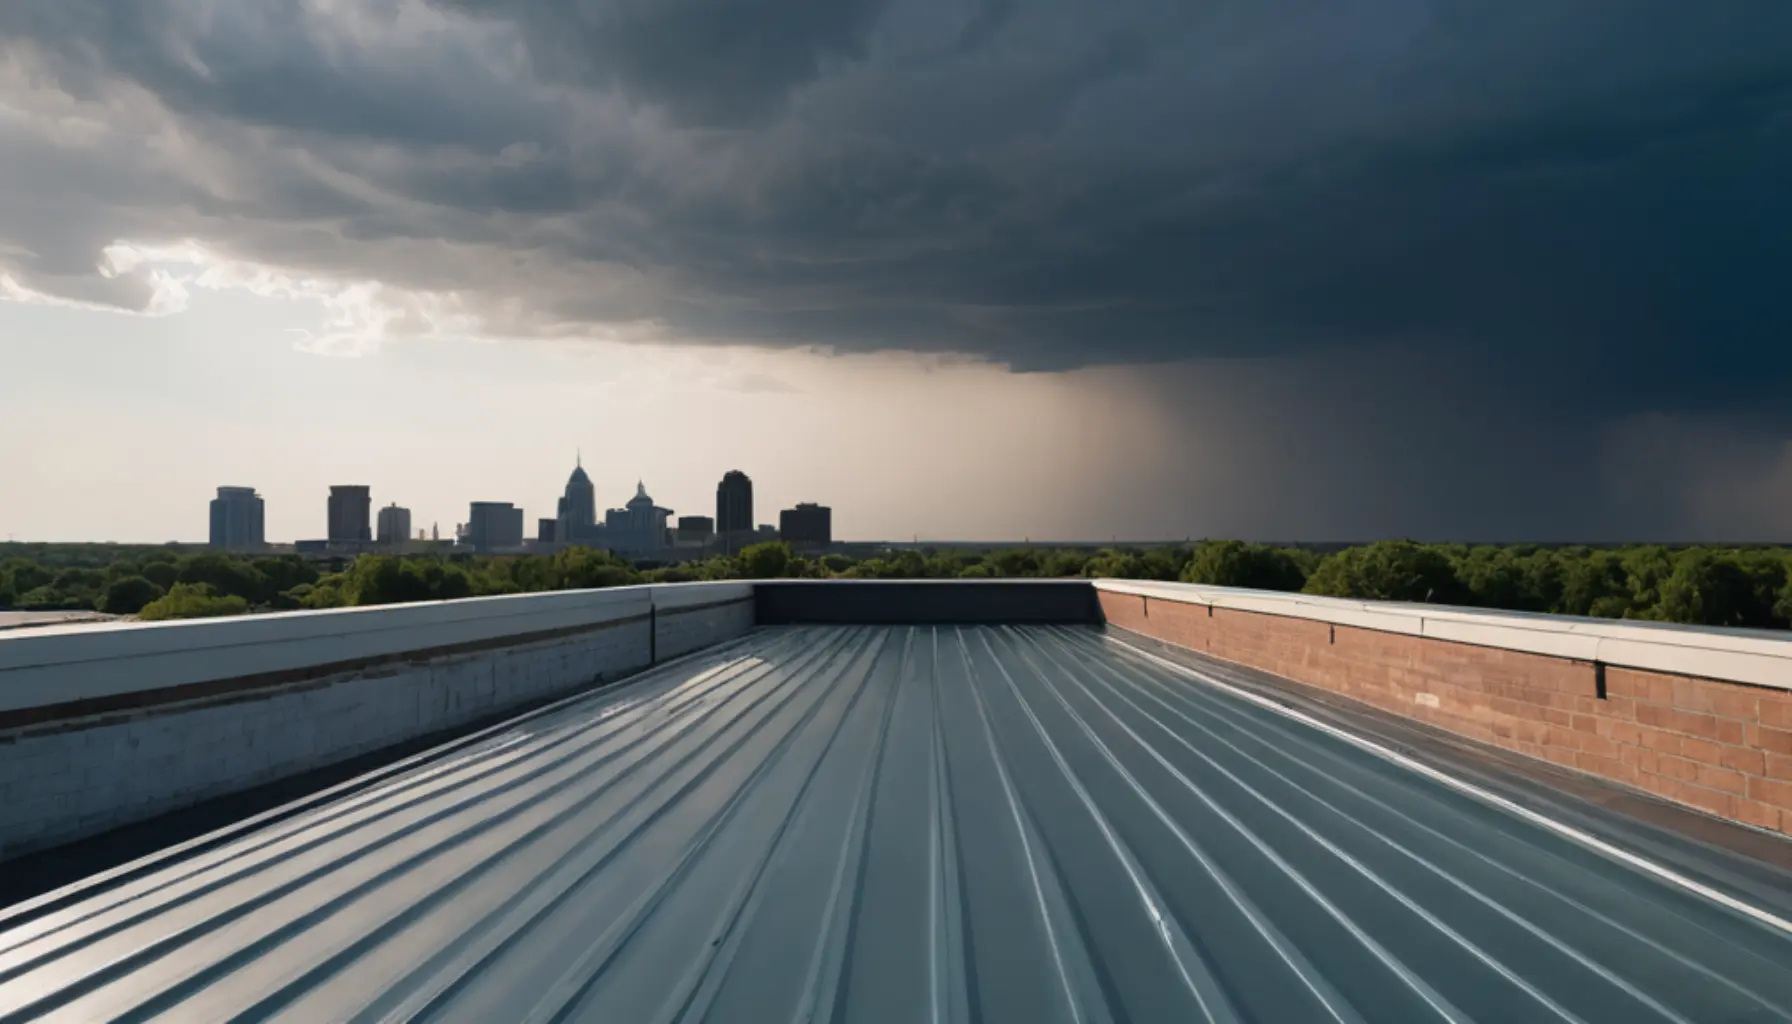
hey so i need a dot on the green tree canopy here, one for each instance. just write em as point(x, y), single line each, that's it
point(327, 592)
point(22, 575)
point(869, 569)
point(227, 575)
point(162, 574)
point(1231, 563)
point(764, 561)
point(128, 595)
point(193, 601)
point(1747, 587)
point(584, 568)
point(1398, 570)
point(1595, 583)
point(1718, 588)
point(1646, 569)
point(1015, 562)
point(388, 579)
point(1056, 564)
point(284, 572)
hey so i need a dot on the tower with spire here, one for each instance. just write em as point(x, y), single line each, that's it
point(578, 504)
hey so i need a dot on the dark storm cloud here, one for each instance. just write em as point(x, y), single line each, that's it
point(1047, 183)
point(709, 61)
point(1576, 211)
point(283, 65)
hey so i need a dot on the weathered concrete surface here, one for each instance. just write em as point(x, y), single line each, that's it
point(38, 620)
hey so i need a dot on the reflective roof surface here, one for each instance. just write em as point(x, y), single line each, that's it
point(1028, 824)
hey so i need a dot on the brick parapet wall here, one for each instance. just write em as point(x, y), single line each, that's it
point(1722, 747)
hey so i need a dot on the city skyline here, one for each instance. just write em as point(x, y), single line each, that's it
point(347, 509)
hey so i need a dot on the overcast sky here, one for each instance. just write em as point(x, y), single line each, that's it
point(978, 269)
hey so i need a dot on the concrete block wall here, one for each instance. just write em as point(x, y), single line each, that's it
point(81, 751)
point(1610, 699)
point(686, 620)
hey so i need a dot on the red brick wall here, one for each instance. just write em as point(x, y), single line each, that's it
point(1722, 747)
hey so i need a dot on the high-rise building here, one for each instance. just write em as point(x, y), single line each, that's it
point(578, 506)
point(547, 530)
point(695, 530)
point(494, 524)
point(808, 525)
point(237, 519)
point(351, 509)
point(394, 524)
point(734, 508)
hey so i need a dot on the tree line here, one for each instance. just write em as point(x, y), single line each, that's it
point(1718, 586)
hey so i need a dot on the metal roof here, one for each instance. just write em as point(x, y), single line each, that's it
point(1027, 824)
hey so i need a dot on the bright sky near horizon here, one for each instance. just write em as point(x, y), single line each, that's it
point(967, 269)
point(121, 427)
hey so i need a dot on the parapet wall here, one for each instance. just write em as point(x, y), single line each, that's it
point(937, 602)
point(101, 727)
point(109, 725)
point(1700, 717)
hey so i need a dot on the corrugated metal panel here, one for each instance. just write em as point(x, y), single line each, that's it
point(900, 824)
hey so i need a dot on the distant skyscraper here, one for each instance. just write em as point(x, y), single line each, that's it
point(494, 524)
point(237, 519)
point(734, 506)
point(578, 506)
point(351, 509)
point(807, 526)
point(394, 524)
point(547, 530)
point(695, 529)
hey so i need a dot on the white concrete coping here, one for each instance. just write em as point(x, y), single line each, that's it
point(54, 665)
point(1757, 657)
point(670, 597)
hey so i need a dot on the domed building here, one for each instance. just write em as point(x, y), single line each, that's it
point(638, 528)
